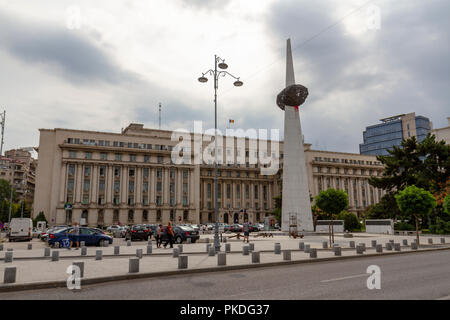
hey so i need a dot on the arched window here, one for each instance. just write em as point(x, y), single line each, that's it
point(210, 217)
point(185, 215)
point(84, 218)
point(158, 215)
point(130, 216)
point(236, 218)
point(225, 218)
point(100, 217)
point(145, 215)
point(172, 215)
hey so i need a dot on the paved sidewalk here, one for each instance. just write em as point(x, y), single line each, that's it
point(33, 271)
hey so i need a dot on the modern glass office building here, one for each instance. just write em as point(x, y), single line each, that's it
point(391, 131)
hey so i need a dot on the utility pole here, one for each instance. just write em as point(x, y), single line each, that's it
point(160, 116)
point(2, 123)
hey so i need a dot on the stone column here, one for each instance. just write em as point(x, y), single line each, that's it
point(138, 181)
point(62, 183)
point(109, 184)
point(94, 184)
point(152, 187)
point(78, 183)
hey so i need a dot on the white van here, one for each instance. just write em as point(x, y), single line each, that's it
point(21, 229)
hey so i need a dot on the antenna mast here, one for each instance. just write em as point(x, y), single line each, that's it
point(160, 116)
point(2, 123)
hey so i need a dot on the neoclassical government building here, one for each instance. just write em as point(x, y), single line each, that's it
point(102, 178)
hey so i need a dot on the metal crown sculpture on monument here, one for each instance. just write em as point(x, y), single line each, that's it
point(295, 192)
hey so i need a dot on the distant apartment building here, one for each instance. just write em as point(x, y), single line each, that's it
point(104, 178)
point(19, 168)
point(391, 131)
point(443, 133)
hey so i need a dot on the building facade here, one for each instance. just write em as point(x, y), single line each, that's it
point(102, 178)
point(381, 137)
point(18, 167)
point(443, 133)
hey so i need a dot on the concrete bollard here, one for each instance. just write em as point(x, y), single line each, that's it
point(30, 246)
point(211, 251)
point(55, 255)
point(363, 245)
point(251, 246)
point(208, 245)
point(224, 240)
point(374, 243)
point(81, 266)
point(46, 252)
point(379, 248)
point(301, 245)
point(10, 249)
point(180, 248)
point(83, 251)
point(149, 249)
point(82, 244)
point(442, 240)
point(414, 245)
point(352, 244)
point(325, 245)
point(176, 253)
point(313, 253)
point(129, 243)
point(337, 251)
point(9, 256)
point(359, 249)
point(405, 242)
point(221, 259)
point(277, 248)
point(307, 248)
point(245, 250)
point(188, 240)
point(207, 240)
point(116, 250)
point(98, 255)
point(430, 240)
point(133, 266)
point(10, 275)
point(139, 253)
point(388, 246)
point(1, 247)
point(287, 255)
point(228, 247)
point(255, 257)
point(397, 246)
point(183, 262)
point(149, 242)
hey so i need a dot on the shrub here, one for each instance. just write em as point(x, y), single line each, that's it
point(351, 222)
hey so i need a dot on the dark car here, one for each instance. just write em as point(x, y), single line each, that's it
point(138, 232)
point(182, 233)
point(90, 236)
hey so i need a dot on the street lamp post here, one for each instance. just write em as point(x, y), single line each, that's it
point(11, 192)
point(218, 62)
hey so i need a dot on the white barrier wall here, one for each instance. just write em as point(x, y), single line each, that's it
point(323, 225)
point(385, 226)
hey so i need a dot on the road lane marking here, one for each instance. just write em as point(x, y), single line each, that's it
point(345, 278)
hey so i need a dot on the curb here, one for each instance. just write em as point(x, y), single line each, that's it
point(149, 275)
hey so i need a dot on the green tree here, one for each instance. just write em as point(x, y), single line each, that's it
point(385, 209)
point(277, 208)
point(40, 217)
point(351, 221)
point(425, 164)
point(415, 203)
point(332, 202)
point(446, 204)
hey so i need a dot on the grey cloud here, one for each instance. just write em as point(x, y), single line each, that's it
point(404, 69)
point(60, 51)
point(205, 4)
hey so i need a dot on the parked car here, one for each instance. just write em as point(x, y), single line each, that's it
point(90, 236)
point(138, 232)
point(181, 234)
point(113, 228)
point(36, 233)
point(236, 228)
point(21, 229)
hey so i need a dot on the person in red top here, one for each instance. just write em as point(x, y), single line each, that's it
point(170, 235)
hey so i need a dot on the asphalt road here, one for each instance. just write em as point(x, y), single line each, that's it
point(405, 276)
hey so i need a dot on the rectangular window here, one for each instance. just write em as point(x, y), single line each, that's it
point(87, 171)
point(185, 187)
point(185, 201)
point(146, 172)
point(131, 172)
point(87, 185)
point(185, 174)
point(172, 187)
point(71, 170)
point(159, 173)
point(160, 159)
point(238, 191)
point(102, 171)
point(132, 157)
point(115, 143)
point(158, 186)
point(107, 143)
point(118, 157)
point(116, 171)
point(256, 192)
point(146, 158)
point(116, 186)
point(172, 174)
point(145, 200)
point(88, 155)
point(172, 201)
point(247, 191)
point(101, 185)
point(145, 186)
point(228, 191)
point(208, 190)
point(158, 200)
point(72, 154)
point(70, 185)
point(116, 200)
point(103, 156)
point(131, 200)
point(131, 186)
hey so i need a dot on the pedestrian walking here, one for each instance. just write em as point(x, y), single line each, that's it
point(75, 235)
point(158, 236)
point(170, 235)
point(246, 230)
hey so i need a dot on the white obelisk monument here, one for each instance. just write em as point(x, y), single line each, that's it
point(295, 179)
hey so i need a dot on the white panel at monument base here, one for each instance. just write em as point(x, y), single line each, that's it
point(324, 226)
point(385, 226)
point(295, 179)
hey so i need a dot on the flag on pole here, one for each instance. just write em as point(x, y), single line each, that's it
point(230, 121)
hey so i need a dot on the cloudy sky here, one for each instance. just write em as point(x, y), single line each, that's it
point(99, 65)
